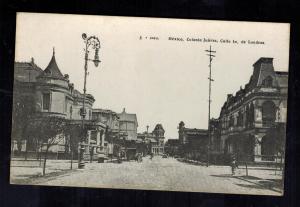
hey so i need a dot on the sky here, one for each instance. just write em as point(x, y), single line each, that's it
point(162, 81)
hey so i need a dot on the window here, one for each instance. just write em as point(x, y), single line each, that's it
point(268, 113)
point(46, 101)
point(123, 126)
point(240, 119)
point(66, 104)
point(231, 121)
point(268, 81)
point(250, 115)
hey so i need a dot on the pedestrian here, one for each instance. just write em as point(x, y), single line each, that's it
point(151, 155)
point(233, 164)
point(91, 154)
point(140, 157)
point(136, 157)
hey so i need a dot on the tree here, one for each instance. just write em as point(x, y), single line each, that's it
point(74, 134)
point(48, 131)
point(23, 109)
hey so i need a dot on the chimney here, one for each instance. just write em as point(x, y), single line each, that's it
point(32, 60)
point(123, 110)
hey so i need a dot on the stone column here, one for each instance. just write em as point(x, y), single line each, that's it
point(87, 148)
point(102, 139)
point(98, 139)
point(24, 145)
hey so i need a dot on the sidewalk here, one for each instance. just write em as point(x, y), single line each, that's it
point(260, 177)
point(28, 171)
point(263, 177)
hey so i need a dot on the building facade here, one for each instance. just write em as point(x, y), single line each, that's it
point(50, 93)
point(154, 141)
point(111, 120)
point(172, 147)
point(193, 142)
point(159, 135)
point(128, 124)
point(252, 122)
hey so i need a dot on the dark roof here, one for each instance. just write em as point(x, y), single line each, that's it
point(172, 141)
point(158, 127)
point(195, 131)
point(263, 68)
point(26, 71)
point(52, 70)
point(282, 79)
point(104, 111)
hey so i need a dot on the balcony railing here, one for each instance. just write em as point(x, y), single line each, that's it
point(267, 123)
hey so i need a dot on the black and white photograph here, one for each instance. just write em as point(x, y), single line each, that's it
point(150, 103)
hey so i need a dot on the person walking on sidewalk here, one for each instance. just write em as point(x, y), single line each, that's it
point(151, 155)
point(233, 164)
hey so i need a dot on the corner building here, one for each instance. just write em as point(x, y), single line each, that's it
point(51, 94)
point(253, 120)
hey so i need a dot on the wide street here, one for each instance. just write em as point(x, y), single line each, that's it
point(167, 174)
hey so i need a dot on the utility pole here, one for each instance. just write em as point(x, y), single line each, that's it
point(211, 55)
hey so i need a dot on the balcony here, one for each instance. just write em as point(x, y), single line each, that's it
point(268, 123)
point(233, 129)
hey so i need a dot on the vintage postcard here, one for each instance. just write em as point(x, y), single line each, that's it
point(150, 103)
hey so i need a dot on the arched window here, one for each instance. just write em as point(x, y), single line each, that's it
point(268, 113)
point(231, 121)
point(247, 115)
point(250, 115)
point(268, 82)
point(240, 119)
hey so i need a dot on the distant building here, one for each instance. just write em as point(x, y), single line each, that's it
point(128, 124)
point(159, 136)
point(215, 135)
point(106, 116)
point(194, 142)
point(110, 119)
point(190, 135)
point(252, 122)
point(172, 147)
point(154, 140)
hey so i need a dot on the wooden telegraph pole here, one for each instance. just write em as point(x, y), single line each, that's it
point(211, 55)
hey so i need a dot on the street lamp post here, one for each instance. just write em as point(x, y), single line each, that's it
point(91, 43)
